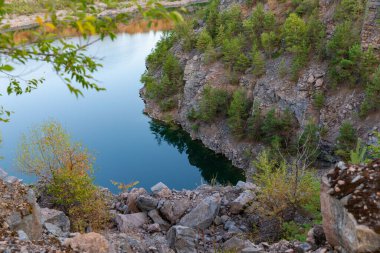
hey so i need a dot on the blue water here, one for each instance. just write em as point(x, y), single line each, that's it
point(128, 145)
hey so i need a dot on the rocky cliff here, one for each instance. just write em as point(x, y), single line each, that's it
point(272, 90)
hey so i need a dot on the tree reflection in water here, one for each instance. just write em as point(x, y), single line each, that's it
point(211, 165)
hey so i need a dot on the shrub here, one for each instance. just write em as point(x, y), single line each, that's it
point(213, 103)
point(346, 140)
point(64, 168)
point(295, 32)
point(212, 16)
point(374, 149)
point(204, 40)
point(284, 186)
point(269, 42)
point(242, 63)
point(184, 32)
point(210, 55)
point(237, 113)
point(270, 126)
point(254, 123)
point(349, 10)
point(258, 62)
point(231, 50)
point(155, 59)
point(316, 35)
point(259, 22)
point(319, 99)
point(231, 20)
point(372, 95)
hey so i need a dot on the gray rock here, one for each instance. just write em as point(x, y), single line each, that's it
point(155, 216)
point(303, 248)
point(153, 228)
point(158, 187)
point(11, 179)
point(236, 244)
point(246, 186)
point(3, 174)
point(55, 217)
point(146, 203)
point(173, 210)
point(22, 235)
point(242, 201)
point(182, 239)
point(53, 229)
point(203, 214)
point(252, 250)
point(126, 222)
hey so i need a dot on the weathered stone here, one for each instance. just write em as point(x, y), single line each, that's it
point(182, 239)
point(55, 217)
point(173, 210)
point(126, 222)
point(203, 214)
point(53, 229)
point(88, 243)
point(341, 227)
point(131, 199)
point(242, 201)
point(153, 228)
point(246, 186)
point(146, 203)
point(319, 82)
point(22, 235)
point(155, 216)
point(237, 245)
point(311, 79)
point(252, 250)
point(158, 187)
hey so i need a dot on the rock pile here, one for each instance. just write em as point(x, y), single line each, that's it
point(351, 207)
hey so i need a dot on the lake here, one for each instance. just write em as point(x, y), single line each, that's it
point(128, 145)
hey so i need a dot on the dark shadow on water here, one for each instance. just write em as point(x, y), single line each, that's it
point(211, 165)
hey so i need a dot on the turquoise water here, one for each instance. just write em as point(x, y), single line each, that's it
point(128, 145)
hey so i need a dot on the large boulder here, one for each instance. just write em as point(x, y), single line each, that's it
point(126, 222)
point(236, 244)
point(182, 239)
point(55, 217)
point(350, 205)
point(132, 197)
point(242, 201)
point(161, 190)
point(19, 208)
point(146, 203)
point(173, 210)
point(88, 243)
point(156, 217)
point(203, 214)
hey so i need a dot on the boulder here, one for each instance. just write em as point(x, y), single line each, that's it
point(146, 203)
point(54, 230)
point(88, 243)
point(22, 236)
point(236, 244)
point(173, 210)
point(246, 186)
point(132, 197)
point(55, 217)
point(242, 201)
point(161, 190)
point(346, 195)
point(182, 239)
point(126, 222)
point(155, 216)
point(203, 214)
point(27, 219)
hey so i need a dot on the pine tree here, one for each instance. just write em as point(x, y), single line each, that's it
point(204, 40)
point(258, 62)
point(254, 123)
point(346, 140)
point(237, 113)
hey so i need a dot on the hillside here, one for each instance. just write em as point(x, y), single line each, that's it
point(241, 76)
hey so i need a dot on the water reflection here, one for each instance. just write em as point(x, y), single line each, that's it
point(211, 166)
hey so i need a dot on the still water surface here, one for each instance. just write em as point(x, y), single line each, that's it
point(128, 145)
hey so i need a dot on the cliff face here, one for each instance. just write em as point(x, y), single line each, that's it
point(272, 90)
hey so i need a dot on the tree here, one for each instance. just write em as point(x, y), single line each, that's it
point(270, 126)
point(204, 40)
point(254, 123)
point(242, 63)
point(372, 95)
point(258, 62)
point(231, 50)
point(269, 42)
point(346, 140)
point(259, 22)
point(295, 31)
point(67, 58)
point(64, 171)
point(237, 113)
point(214, 101)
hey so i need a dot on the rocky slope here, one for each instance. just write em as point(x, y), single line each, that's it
point(273, 90)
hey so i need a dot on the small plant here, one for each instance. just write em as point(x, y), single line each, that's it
point(319, 100)
point(238, 113)
point(359, 155)
point(124, 187)
point(346, 140)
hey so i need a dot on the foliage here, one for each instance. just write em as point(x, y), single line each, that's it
point(254, 123)
point(359, 155)
point(214, 102)
point(231, 49)
point(269, 42)
point(158, 55)
point(238, 113)
point(270, 126)
point(212, 16)
point(319, 99)
point(65, 169)
point(346, 140)
point(351, 10)
point(242, 63)
point(284, 186)
point(282, 69)
point(372, 95)
point(316, 35)
point(293, 231)
point(295, 31)
point(204, 40)
point(258, 62)
point(184, 32)
point(374, 149)
point(124, 187)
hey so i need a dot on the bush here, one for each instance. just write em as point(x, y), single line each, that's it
point(212, 17)
point(269, 42)
point(204, 41)
point(346, 140)
point(295, 33)
point(372, 95)
point(284, 186)
point(155, 59)
point(319, 99)
point(349, 10)
point(237, 113)
point(254, 123)
point(242, 63)
point(214, 102)
point(258, 62)
point(270, 126)
point(259, 22)
point(184, 32)
point(231, 50)
point(64, 168)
